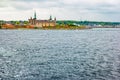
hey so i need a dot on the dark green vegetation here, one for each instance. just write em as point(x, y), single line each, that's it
point(69, 22)
point(1, 23)
point(14, 22)
point(65, 27)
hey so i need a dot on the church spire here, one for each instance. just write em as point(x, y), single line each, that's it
point(34, 15)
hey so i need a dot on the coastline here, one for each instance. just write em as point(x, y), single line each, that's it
point(29, 27)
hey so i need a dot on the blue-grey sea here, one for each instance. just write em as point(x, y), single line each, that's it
point(92, 54)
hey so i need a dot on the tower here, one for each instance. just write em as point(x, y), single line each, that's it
point(55, 19)
point(50, 17)
point(35, 15)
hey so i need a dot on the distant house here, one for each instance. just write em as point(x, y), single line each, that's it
point(42, 23)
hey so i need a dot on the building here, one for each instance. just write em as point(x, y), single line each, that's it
point(42, 23)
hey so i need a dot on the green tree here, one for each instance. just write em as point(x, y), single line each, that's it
point(1, 23)
point(25, 22)
point(17, 22)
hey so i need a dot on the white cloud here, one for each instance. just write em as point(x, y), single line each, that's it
point(101, 10)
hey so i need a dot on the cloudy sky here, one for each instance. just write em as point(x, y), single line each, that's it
point(92, 10)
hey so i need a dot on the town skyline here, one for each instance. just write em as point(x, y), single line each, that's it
point(91, 10)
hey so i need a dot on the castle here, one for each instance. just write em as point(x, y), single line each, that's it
point(42, 23)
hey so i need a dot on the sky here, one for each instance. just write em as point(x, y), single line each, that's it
point(82, 10)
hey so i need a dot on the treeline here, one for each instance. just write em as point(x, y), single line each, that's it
point(70, 22)
point(14, 22)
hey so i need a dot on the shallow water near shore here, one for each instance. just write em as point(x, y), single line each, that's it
point(92, 54)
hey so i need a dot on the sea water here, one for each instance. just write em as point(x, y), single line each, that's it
point(92, 54)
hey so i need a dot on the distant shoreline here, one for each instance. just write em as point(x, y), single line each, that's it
point(51, 29)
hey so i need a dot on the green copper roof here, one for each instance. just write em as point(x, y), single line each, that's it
point(35, 15)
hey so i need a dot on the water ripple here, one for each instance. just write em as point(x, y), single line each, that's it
point(60, 54)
